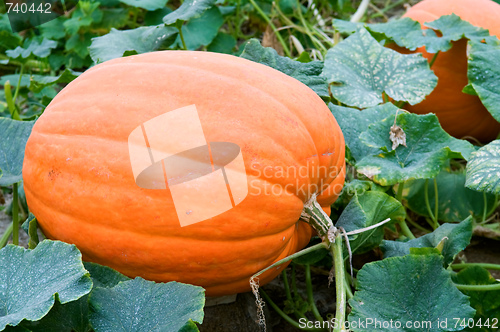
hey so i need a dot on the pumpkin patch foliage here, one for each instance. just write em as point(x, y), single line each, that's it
point(165, 156)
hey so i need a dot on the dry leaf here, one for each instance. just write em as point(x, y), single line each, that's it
point(398, 136)
point(270, 40)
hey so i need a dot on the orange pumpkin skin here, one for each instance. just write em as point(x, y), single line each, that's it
point(79, 183)
point(460, 114)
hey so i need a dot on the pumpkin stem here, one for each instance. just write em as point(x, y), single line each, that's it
point(314, 215)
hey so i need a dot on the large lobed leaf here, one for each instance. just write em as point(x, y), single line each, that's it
point(428, 149)
point(141, 40)
point(359, 70)
point(408, 33)
point(308, 73)
point(140, 305)
point(40, 49)
point(32, 280)
point(405, 290)
point(456, 238)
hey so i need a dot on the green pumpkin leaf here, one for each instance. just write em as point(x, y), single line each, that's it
point(39, 49)
point(141, 40)
point(366, 210)
point(14, 80)
point(353, 122)
point(201, 31)
point(453, 28)
point(408, 33)
point(142, 305)
point(487, 304)
point(13, 138)
point(74, 316)
point(70, 317)
point(39, 82)
point(146, 4)
point(484, 74)
point(359, 70)
point(459, 236)
point(308, 73)
point(188, 10)
point(428, 149)
point(222, 43)
point(33, 279)
point(405, 290)
point(455, 201)
point(483, 169)
point(103, 276)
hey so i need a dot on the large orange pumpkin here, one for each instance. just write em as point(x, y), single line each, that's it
point(80, 182)
point(460, 114)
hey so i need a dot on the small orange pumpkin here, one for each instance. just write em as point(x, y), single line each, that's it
point(80, 179)
point(460, 114)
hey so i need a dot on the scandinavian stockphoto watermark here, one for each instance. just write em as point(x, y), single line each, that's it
point(205, 179)
point(27, 14)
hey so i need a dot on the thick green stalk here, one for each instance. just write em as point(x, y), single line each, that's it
point(15, 215)
point(340, 313)
point(480, 288)
point(289, 258)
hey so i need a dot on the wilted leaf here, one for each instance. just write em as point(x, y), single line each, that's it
point(459, 236)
